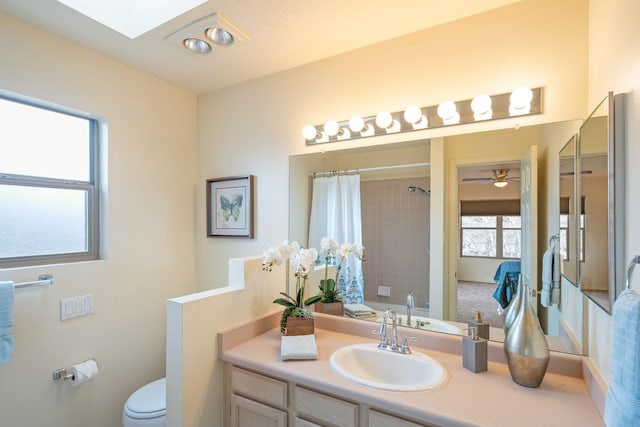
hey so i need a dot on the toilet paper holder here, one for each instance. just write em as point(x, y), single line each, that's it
point(64, 374)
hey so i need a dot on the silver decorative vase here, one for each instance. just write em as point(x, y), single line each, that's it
point(526, 346)
point(513, 308)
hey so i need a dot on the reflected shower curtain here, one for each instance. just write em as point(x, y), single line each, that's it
point(335, 212)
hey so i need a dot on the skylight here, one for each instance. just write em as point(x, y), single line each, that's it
point(132, 18)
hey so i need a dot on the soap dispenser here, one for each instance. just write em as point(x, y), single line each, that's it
point(474, 351)
point(482, 327)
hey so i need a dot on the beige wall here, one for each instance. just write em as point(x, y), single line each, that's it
point(614, 65)
point(148, 237)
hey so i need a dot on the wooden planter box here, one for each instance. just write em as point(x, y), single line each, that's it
point(299, 326)
point(334, 308)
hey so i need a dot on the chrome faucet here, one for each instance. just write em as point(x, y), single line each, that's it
point(410, 306)
point(393, 345)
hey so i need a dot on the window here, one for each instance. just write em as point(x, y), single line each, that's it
point(565, 229)
point(48, 185)
point(490, 228)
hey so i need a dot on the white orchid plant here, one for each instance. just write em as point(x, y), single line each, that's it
point(330, 292)
point(302, 261)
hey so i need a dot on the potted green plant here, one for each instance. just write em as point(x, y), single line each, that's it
point(297, 317)
point(331, 301)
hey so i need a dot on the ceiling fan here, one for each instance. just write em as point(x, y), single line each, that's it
point(500, 178)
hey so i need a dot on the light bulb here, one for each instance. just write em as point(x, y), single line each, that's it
point(331, 127)
point(446, 110)
point(309, 132)
point(384, 120)
point(356, 124)
point(500, 184)
point(219, 36)
point(521, 98)
point(481, 104)
point(412, 114)
point(197, 45)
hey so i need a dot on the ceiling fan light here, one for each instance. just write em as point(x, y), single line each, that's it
point(501, 184)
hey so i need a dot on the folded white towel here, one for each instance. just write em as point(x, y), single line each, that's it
point(298, 347)
point(359, 310)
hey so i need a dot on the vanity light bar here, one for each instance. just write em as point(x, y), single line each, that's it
point(522, 101)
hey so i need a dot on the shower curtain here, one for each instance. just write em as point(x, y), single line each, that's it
point(335, 212)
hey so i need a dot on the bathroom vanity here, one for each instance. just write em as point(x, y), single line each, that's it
point(261, 390)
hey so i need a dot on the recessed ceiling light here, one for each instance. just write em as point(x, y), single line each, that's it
point(197, 45)
point(213, 28)
point(132, 18)
point(219, 36)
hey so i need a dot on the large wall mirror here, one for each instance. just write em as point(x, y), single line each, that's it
point(568, 237)
point(397, 204)
point(601, 211)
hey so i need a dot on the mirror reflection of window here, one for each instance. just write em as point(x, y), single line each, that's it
point(490, 228)
point(564, 237)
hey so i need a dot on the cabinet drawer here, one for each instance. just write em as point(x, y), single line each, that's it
point(258, 387)
point(326, 409)
point(380, 419)
point(247, 413)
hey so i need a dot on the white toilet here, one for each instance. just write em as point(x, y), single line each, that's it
point(147, 406)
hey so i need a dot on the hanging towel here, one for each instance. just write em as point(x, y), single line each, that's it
point(555, 275)
point(6, 321)
point(550, 275)
point(622, 407)
point(298, 347)
point(547, 277)
point(507, 279)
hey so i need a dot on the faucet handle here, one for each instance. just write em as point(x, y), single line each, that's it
point(404, 346)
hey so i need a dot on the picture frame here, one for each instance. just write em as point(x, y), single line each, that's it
point(230, 207)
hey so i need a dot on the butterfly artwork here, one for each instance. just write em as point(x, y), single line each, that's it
point(231, 208)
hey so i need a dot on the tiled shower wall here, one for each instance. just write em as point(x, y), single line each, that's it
point(394, 233)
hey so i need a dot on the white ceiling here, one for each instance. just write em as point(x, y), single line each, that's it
point(283, 34)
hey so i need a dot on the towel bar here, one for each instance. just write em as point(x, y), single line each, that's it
point(43, 279)
point(635, 260)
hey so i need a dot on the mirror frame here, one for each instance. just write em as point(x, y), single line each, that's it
point(615, 197)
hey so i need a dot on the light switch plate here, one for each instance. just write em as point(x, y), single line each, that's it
point(76, 307)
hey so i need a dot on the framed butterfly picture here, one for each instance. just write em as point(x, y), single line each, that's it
point(230, 207)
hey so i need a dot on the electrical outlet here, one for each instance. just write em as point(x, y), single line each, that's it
point(76, 307)
point(384, 291)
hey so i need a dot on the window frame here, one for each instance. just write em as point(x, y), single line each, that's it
point(91, 188)
point(499, 236)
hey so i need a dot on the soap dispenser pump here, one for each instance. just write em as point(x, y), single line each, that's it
point(482, 327)
point(474, 351)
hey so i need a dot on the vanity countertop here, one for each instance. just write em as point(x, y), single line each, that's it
point(485, 399)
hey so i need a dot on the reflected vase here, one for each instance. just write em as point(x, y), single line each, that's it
point(525, 345)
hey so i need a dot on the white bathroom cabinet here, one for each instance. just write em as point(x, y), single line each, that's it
point(254, 399)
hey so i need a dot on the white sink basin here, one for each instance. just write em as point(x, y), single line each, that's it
point(366, 364)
